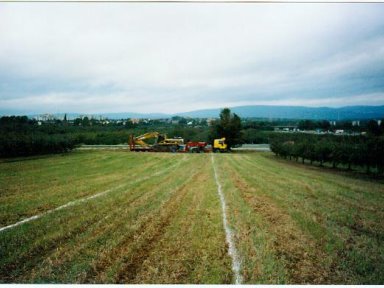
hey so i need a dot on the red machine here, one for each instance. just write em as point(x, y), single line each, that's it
point(198, 147)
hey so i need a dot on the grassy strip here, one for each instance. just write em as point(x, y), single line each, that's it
point(292, 223)
point(21, 197)
point(258, 262)
point(29, 245)
point(336, 214)
point(285, 246)
point(193, 248)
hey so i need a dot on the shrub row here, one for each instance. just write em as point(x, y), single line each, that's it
point(349, 151)
point(18, 144)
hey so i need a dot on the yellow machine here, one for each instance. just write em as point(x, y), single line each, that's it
point(156, 142)
point(160, 142)
point(219, 145)
point(138, 143)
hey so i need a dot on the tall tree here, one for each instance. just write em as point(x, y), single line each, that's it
point(229, 126)
point(65, 122)
point(373, 128)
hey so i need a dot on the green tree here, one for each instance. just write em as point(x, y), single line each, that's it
point(77, 121)
point(325, 125)
point(307, 125)
point(65, 121)
point(373, 128)
point(86, 121)
point(229, 126)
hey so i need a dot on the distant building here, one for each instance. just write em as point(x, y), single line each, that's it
point(135, 120)
point(46, 117)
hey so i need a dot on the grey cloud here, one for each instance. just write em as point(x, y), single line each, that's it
point(178, 57)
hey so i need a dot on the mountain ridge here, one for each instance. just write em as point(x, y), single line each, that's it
point(296, 112)
point(360, 112)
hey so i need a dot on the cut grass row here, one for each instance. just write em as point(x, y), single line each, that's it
point(116, 237)
point(306, 225)
point(34, 187)
point(161, 222)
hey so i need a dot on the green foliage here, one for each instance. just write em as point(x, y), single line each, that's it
point(229, 126)
point(21, 136)
point(374, 129)
point(312, 125)
point(14, 144)
point(361, 151)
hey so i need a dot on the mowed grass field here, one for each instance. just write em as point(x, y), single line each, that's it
point(157, 218)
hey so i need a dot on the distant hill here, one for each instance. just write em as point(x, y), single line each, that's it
point(296, 112)
point(256, 111)
point(123, 115)
point(134, 115)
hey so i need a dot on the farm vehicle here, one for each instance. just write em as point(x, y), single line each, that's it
point(197, 147)
point(219, 145)
point(156, 142)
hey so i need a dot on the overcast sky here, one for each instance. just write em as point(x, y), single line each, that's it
point(169, 57)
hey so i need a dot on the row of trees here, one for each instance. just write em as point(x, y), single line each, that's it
point(361, 151)
point(21, 136)
point(18, 144)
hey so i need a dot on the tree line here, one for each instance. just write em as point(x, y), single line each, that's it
point(17, 144)
point(21, 136)
point(364, 152)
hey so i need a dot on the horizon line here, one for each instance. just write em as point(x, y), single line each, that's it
point(14, 113)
